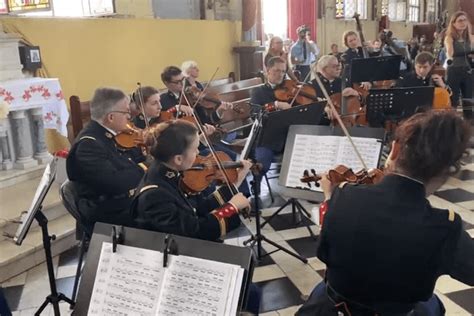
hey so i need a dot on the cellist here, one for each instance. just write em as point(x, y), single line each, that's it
point(423, 76)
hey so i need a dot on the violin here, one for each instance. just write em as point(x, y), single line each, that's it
point(205, 171)
point(208, 100)
point(290, 91)
point(131, 137)
point(344, 174)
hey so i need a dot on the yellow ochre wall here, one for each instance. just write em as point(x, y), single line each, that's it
point(88, 53)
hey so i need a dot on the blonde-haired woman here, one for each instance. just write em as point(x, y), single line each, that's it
point(459, 43)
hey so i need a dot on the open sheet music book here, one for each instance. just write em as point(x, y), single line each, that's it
point(132, 281)
point(324, 152)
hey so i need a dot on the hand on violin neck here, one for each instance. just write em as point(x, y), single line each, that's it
point(366, 85)
point(187, 110)
point(327, 186)
point(225, 106)
point(209, 129)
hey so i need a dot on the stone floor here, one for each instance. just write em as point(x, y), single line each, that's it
point(284, 280)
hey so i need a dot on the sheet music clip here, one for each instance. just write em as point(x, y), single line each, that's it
point(170, 248)
point(117, 238)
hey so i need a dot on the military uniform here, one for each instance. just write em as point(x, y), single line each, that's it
point(160, 205)
point(332, 87)
point(168, 100)
point(104, 177)
point(139, 121)
point(413, 80)
point(384, 247)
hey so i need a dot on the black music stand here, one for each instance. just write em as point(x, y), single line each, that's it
point(257, 238)
point(35, 212)
point(375, 68)
point(153, 240)
point(397, 103)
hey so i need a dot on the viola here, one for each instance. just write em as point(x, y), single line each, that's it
point(344, 174)
point(289, 89)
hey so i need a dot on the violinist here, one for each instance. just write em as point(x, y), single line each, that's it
point(384, 245)
point(422, 76)
point(151, 106)
point(104, 176)
point(174, 81)
point(264, 95)
point(190, 71)
point(161, 205)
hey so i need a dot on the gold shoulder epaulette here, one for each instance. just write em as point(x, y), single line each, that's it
point(148, 187)
point(87, 137)
point(451, 215)
point(143, 166)
point(342, 184)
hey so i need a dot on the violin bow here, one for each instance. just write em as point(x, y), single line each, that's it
point(142, 105)
point(301, 87)
point(206, 138)
point(338, 118)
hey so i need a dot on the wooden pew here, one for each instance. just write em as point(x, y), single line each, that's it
point(238, 85)
point(80, 115)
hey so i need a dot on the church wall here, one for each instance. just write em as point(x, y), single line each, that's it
point(87, 53)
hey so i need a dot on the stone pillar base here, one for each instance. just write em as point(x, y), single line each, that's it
point(25, 163)
point(7, 165)
point(43, 158)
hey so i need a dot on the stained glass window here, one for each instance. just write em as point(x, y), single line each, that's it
point(384, 7)
point(345, 9)
point(28, 5)
point(397, 10)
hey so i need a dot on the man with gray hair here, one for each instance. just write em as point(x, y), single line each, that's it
point(103, 176)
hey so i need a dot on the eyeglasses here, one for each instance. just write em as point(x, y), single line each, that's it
point(129, 113)
point(177, 81)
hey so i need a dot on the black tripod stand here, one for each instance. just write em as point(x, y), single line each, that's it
point(55, 297)
point(297, 211)
point(258, 237)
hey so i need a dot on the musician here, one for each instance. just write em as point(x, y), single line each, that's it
point(329, 71)
point(190, 71)
point(392, 46)
point(384, 245)
point(151, 106)
point(335, 52)
point(422, 75)
point(105, 177)
point(264, 95)
point(173, 78)
point(354, 50)
point(301, 52)
point(161, 205)
point(459, 43)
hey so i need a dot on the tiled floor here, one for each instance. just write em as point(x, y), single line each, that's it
point(285, 280)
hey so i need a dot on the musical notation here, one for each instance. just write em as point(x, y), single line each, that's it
point(132, 281)
point(322, 153)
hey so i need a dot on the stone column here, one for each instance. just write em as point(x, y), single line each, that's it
point(249, 20)
point(22, 141)
point(5, 156)
point(41, 151)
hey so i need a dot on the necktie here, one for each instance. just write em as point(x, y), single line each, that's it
point(304, 51)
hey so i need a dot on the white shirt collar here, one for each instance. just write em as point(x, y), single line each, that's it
point(111, 131)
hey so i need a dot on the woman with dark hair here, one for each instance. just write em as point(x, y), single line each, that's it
point(161, 205)
point(150, 97)
point(384, 245)
point(459, 43)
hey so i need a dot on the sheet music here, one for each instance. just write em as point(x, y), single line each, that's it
point(128, 282)
point(132, 281)
point(323, 152)
point(196, 286)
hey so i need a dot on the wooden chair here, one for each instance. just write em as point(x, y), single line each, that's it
point(80, 114)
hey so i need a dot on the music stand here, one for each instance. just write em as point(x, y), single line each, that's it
point(257, 238)
point(153, 240)
point(35, 212)
point(375, 68)
point(302, 192)
point(396, 104)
